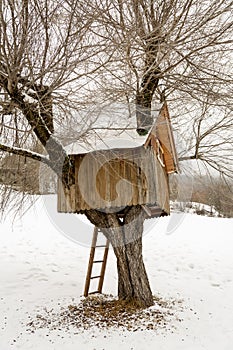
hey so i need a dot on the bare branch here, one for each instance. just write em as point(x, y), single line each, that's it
point(25, 153)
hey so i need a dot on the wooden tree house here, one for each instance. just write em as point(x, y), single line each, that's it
point(109, 178)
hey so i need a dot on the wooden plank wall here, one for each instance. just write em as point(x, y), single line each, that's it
point(116, 178)
point(163, 131)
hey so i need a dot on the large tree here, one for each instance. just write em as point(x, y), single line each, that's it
point(170, 50)
point(56, 55)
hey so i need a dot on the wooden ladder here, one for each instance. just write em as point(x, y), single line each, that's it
point(103, 263)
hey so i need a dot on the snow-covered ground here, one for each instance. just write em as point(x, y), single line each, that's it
point(187, 257)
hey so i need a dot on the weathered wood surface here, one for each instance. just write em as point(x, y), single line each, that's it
point(163, 131)
point(116, 178)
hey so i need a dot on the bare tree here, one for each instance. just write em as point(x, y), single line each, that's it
point(182, 51)
point(179, 51)
point(43, 62)
point(56, 55)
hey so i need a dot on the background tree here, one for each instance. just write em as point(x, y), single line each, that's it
point(59, 58)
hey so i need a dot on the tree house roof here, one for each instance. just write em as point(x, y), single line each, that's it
point(109, 138)
point(102, 139)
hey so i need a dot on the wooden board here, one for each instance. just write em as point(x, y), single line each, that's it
point(115, 179)
point(163, 131)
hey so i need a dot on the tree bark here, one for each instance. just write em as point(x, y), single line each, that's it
point(125, 235)
point(149, 83)
point(39, 115)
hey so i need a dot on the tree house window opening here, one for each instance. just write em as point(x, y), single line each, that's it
point(160, 153)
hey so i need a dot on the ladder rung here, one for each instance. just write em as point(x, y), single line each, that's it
point(101, 246)
point(98, 261)
point(93, 292)
point(95, 277)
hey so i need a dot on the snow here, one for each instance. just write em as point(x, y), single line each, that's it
point(104, 140)
point(188, 257)
point(103, 136)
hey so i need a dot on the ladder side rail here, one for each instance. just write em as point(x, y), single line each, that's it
point(90, 264)
point(103, 267)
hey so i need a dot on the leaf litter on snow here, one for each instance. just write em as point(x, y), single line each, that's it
point(106, 312)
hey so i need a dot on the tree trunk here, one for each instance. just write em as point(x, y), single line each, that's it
point(125, 236)
point(149, 83)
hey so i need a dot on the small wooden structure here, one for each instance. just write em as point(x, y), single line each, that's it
point(110, 179)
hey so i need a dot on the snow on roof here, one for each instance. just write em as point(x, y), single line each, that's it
point(120, 134)
point(102, 139)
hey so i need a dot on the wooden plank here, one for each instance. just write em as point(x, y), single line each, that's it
point(163, 131)
point(147, 210)
point(72, 199)
point(162, 185)
point(103, 267)
point(80, 203)
point(78, 196)
point(139, 166)
point(134, 168)
point(90, 264)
